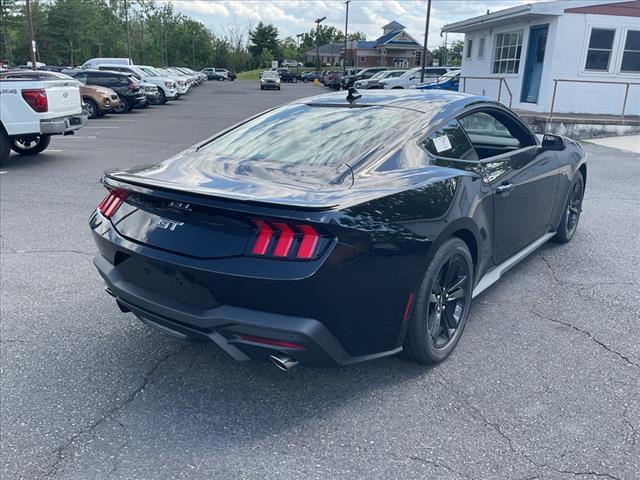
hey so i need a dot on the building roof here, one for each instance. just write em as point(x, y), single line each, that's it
point(365, 44)
point(526, 12)
point(390, 39)
point(394, 26)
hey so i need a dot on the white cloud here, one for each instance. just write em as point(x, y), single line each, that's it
point(296, 16)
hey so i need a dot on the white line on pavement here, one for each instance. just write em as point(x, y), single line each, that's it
point(3, 171)
point(78, 136)
point(101, 127)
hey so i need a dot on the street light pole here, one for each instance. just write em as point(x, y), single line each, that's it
point(32, 40)
point(423, 63)
point(126, 21)
point(318, 21)
point(346, 26)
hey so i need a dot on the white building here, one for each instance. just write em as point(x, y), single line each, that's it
point(530, 46)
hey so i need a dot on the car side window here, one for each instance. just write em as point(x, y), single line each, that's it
point(450, 141)
point(81, 77)
point(493, 132)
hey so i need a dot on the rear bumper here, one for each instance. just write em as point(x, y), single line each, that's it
point(244, 334)
point(69, 123)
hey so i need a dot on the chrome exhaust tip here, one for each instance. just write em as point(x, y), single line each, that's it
point(283, 361)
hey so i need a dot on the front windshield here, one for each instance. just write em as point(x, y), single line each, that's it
point(139, 71)
point(269, 74)
point(408, 73)
point(311, 135)
point(379, 75)
point(150, 71)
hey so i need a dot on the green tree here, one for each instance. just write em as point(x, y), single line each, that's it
point(264, 37)
point(266, 56)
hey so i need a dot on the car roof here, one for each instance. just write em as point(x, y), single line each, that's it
point(420, 100)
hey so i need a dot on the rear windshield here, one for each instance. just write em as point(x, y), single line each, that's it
point(313, 135)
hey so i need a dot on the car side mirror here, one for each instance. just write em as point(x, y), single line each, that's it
point(552, 142)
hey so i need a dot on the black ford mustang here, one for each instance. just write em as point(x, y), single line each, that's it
point(335, 230)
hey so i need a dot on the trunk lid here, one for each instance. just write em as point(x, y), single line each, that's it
point(63, 97)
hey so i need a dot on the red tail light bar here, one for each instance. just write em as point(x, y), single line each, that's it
point(36, 98)
point(283, 240)
point(110, 204)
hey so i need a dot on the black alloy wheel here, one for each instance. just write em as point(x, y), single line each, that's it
point(30, 145)
point(442, 303)
point(447, 300)
point(573, 209)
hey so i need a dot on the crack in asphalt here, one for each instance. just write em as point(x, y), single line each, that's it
point(60, 451)
point(634, 430)
point(477, 413)
point(591, 337)
point(437, 464)
point(562, 282)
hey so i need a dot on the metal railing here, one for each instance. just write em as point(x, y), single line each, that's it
point(500, 80)
point(560, 80)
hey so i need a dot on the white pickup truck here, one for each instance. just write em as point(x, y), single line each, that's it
point(34, 106)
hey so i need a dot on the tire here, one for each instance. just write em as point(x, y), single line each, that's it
point(261, 87)
point(123, 106)
point(434, 332)
point(5, 145)
point(30, 146)
point(572, 210)
point(92, 108)
point(278, 88)
point(163, 98)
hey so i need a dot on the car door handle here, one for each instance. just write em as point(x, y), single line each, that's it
point(504, 188)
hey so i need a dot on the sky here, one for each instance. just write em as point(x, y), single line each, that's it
point(368, 16)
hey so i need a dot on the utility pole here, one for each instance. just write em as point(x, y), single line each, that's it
point(318, 21)
point(423, 63)
point(32, 40)
point(346, 26)
point(446, 51)
point(126, 21)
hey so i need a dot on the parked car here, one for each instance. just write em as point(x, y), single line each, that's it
point(182, 83)
point(333, 80)
point(212, 74)
point(97, 100)
point(128, 88)
point(286, 76)
point(231, 75)
point(311, 76)
point(439, 191)
point(94, 62)
point(289, 63)
point(166, 86)
point(449, 81)
point(363, 74)
point(36, 105)
point(269, 80)
point(412, 77)
point(374, 82)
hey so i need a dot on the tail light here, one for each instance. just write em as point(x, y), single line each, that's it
point(110, 204)
point(285, 240)
point(36, 98)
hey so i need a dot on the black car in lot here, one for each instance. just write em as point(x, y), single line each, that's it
point(127, 87)
point(337, 229)
point(311, 76)
point(287, 76)
point(348, 80)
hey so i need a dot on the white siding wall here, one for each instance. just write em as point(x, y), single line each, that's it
point(564, 58)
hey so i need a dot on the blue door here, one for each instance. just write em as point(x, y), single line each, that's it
point(534, 62)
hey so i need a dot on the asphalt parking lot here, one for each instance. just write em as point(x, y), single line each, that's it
point(545, 383)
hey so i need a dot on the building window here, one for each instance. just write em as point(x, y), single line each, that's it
point(481, 48)
point(361, 59)
point(507, 53)
point(469, 47)
point(631, 54)
point(418, 57)
point(599, 52)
